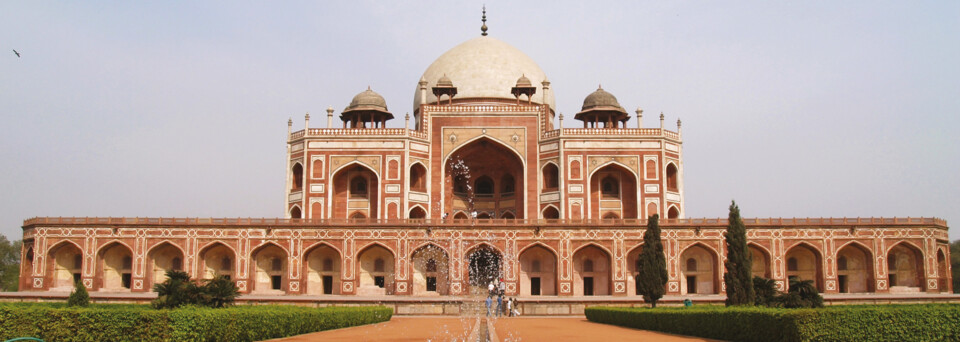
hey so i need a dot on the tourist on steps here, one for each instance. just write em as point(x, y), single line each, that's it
point(499, 306)
point(489, 303)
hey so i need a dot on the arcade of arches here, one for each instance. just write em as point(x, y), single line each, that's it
point(533, 261)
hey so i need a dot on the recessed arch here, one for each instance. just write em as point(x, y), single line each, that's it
point(943, 271)
point(612, 187)
point(62, 264)
point(355, 187)
point(217, 259)
point(633, 268)
point(808, 261)
point(375, 265)
point(550, 176)
point(550, 212)
point(296, 179)
point(475, 177)
point(905, 266)
point(592, 270)
point(162, 257)
point(705, 277)
point(538, 270)
point(429, 265)
point(418, 177)
point(673, 212)
point(115, 264)
point(760, 261)
point(322, 269)
point(468, 142)
point(855, 268)
point(484, 263)
point(672, 175)
point(417, 212)
point(269, 268)
point(296, 212)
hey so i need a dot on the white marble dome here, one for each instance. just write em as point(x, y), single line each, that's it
point(484, 67)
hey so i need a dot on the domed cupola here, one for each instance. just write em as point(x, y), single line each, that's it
point(524, 87)
point(367, 110)
point(602, 107)
point(445, 87)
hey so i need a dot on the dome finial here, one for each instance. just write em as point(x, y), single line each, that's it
point(483, 29)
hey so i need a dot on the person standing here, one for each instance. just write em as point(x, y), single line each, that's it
point(516, 312)
point(489, 303)
point(509, 307)
point(501, 286)
point(499, 306)
point(490, 289)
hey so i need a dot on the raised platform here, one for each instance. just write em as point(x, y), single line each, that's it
point(460, 305)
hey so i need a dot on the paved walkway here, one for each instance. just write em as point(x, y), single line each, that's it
point(526, 329)
point(556, 329)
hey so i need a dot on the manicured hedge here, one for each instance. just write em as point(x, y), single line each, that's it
point(142, 323)
point(933, 322)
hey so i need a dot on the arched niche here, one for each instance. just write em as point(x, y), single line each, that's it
point(698, 269)
point(484, 265)
point(591, 272)
point(217, 259)
point(115, 265)
point(905, 268)
point(471, 173)
point(162, 258)
point(633, 270)
point(805, 263)
point(538, 271)
point(760, 262)
point(355, 190)
point(66, 265)
point(613, 190)
point(854, 269)
point(269, 269)
point(431, 266)
point(322, 270)
point(376, 271)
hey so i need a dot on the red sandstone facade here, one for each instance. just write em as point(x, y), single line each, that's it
point(558, 211)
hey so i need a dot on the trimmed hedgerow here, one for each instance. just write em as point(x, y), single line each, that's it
point(933, 322)
point(141, 323)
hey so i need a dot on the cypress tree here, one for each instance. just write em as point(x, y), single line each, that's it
point(653, 264)
point(738, 276)
point(79, 296)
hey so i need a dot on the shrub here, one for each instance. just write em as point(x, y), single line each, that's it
point(54, 322)
point(765, 289)
point(178, 290)
point(933, 322)
point(79, 295)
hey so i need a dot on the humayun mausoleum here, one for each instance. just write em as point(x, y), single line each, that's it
point(481, 182)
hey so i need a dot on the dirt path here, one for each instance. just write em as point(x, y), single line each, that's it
point(403, 328)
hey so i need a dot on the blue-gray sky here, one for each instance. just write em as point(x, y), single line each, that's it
point(167, 109)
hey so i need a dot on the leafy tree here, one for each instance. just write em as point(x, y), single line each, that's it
point(765, 290)
point(9, 264)
point(955, 264)
point(803, 294)
point(79, 296)
point(738, 276)
point(653, 264)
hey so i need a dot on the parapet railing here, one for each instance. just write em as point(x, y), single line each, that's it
point(677, 223)
point(643, 132)
point(323, 132)
point(484, 108)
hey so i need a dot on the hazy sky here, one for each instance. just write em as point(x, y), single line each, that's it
point(820, 109)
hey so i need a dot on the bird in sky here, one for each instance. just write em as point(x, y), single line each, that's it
point(16, 53)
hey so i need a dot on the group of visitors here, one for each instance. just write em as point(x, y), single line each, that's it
point(498, 290)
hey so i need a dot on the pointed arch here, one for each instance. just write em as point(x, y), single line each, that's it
point(429, 265)
point(550, 212)
point(296, 212)
point(761, 265)
point(855, 268)
point(62, 264)
point(905, 266)
point(550, 176)
point(375, 263)
point(115, 264)
point(484, 263)
point(418, 177)
point(355, 186)
point(321, 269)
point(613, 187)
point(216, 258)
point(296, 177)
point(417, 212)
point(269, 268)
point(633, 268)
point(704, 278)
point(538, 270)
point(673, 212)
point(672, 174)
point(592, 270)
point(162, 257)
point(808, 260)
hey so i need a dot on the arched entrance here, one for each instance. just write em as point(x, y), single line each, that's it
point(376, 265)
point(905, 267)
point(943, 271)
point(66, 266)
point(538, 272)
point(355, 192)
point(116, 266)
point(854, 269)
point(269, 269)
point(591, 272)
point(484, 265)
point(217, 259)
point(162, 258)
point(760, 262)
point(322, 270)
point(613, 193)
point(471, 176)
point(804, 263)
point(633, 270)
point(430, 268)
point(699, 271)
